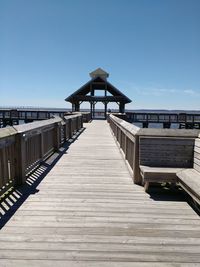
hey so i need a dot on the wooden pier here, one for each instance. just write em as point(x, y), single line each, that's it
point(11, 117)
point(86, 211)
point(167, 119)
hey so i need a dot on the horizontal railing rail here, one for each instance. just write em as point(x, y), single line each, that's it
point(24, 147)
point(128, 137)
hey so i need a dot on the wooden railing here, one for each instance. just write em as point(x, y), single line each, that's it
point(128, 140)
point(24, 147)
point(86, 116)
point(128, 137)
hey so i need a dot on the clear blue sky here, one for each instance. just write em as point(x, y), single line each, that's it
point(151, 48)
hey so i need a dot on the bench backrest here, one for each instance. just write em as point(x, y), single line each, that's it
point(196, 165)
point(166, 152)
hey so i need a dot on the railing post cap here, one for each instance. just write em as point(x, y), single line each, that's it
point(8, 131)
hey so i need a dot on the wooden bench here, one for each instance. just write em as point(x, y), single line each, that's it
point(189, 179)
point(160, 158)
point(158, 175)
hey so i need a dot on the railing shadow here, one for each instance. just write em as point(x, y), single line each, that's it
point(15, 197)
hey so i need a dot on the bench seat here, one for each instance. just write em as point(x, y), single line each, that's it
point(159, 174)
point(189, 180)
point(160, 159)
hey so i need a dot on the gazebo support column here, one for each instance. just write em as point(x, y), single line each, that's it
point(77, 106)
point(73, 107)
point(121, 107)
point(91, 109)
point(105, 110)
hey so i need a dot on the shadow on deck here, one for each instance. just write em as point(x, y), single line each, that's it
point(15, 197)
point(176, 193)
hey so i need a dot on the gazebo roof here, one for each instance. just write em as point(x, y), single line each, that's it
point(99, 79)
point(99, 73)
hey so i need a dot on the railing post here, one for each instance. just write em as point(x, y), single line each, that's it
point(136, 170)
point(20, 158)
point(41, 145)
point(81, 121)
point(57, 134)
point(70, 128)
point(125, 146)
point(73, 126)
point(65, 131)
point(77, 124)
point(120, 138)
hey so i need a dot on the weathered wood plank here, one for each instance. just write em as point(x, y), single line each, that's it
point(117, 220)
point(190, 218)
point(126, 239)
point(78, 255)
point(95, 247)
point(104, 231)
point(61, 263)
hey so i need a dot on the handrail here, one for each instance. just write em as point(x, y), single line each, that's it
point(24, 147)
point(128, 140)
point(128, 136)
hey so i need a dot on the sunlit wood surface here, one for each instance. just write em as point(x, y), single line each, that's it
point(87, 212)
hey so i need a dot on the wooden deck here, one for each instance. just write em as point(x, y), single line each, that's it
point(87, 212)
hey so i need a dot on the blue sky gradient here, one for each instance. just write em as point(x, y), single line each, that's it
point(151, 48)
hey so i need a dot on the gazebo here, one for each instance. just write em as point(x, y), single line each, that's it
point(87, 93)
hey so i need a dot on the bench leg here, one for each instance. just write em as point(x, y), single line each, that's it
point(146, 186)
